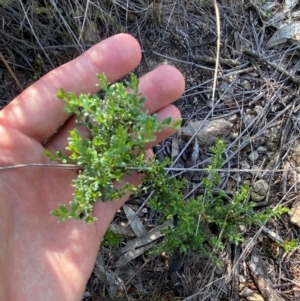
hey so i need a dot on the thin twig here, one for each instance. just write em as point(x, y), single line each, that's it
point(11, 72)
point(84, 19)
point(63, 166)
point(218, 51)
point(168, 169)
point(211, 60)
point(34, 34)
point(183, 62)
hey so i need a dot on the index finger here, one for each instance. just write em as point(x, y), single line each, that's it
point(37, 113)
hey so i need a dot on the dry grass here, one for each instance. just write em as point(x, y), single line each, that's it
point(257, 84)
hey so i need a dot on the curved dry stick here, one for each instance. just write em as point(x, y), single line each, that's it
point(11, 72)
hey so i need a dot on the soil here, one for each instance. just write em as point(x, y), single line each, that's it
point(256, 96)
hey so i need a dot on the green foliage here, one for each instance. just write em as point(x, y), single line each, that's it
point(111, 239)
point(289, 245)
point(108, 143)
point(197, 216)
point(110, 136)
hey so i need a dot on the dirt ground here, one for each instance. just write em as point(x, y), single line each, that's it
point(254, 107)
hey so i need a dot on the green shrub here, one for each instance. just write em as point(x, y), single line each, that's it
point(119, 130)
point(197, 216)
point(114, 146)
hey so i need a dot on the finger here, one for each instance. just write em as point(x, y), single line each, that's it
point(37, 113)
point(161, 87)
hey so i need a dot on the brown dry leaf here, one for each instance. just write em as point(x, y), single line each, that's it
point(284, 33)
point(136, 224)
point(149, 237)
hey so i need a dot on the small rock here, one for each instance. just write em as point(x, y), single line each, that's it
point(259, 190)
point(251, 295)
point(247, 120)
point(261, 150)
point(237, 178)
point(294, 214)
point(296, 152)
point(209, 132)
point(242, 228)
point(241, 286)
point(247, 183)
point(234, 135)
point(145, 210)
point(245, 165)
point(272, 141)
point(242, 278)
point(246, 84)
point(258, 109)
point(253, 156)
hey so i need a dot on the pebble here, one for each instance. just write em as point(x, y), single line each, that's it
point(259, 190)
point(296, 152)
point(247, 120)
point(294, 214)
point(145, 210)
point(261, 150)
point(87, 294)
point(245, 165)
point(237, 178)
point(253, 156)
point(258, 109)
point(251, 295)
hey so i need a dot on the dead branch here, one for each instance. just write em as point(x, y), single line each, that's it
point(211, 60)
point(261, 278)
point(292, 78)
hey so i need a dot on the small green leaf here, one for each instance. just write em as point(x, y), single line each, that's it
point(61, 94)
point(63, 209)
point(56, 212)
point(176, 124)
point(111, 239)
point(167, 121)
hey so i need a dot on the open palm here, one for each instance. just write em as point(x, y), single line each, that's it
point(40, 259)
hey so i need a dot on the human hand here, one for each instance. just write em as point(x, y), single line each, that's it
point(40, 259)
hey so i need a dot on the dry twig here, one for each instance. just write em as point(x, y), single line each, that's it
point(261, 278)
point(292, 78)
point(11, 72)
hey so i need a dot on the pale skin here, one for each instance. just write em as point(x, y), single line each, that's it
point(40, 259)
